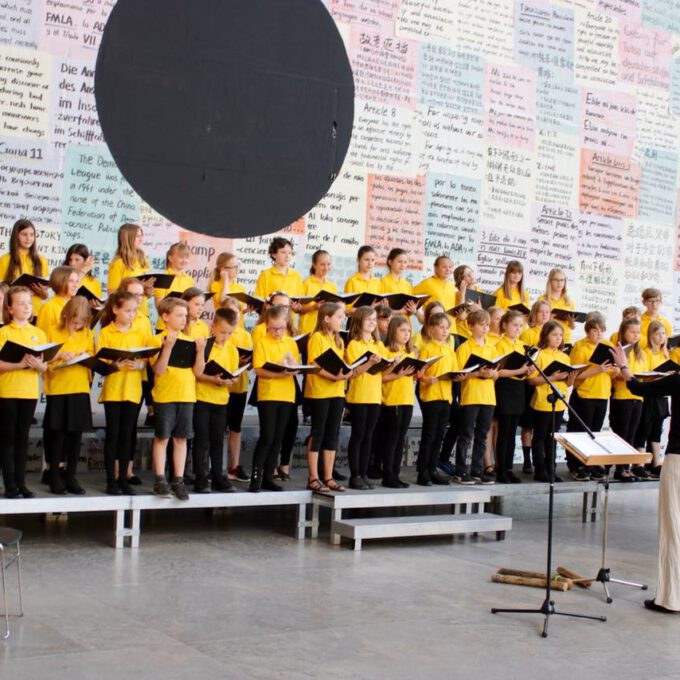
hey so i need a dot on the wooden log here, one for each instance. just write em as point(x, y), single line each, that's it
point(520, 572)
point(530, 582)
point(579, 580)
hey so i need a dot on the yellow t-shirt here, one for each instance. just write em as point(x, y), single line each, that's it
point(179, 284)
point(598, 386)
point(198, 329)
point(505, 303)
point(93, 286)
point(241, 338)
point(50, 313)
point(259, 332)
point(645, 320)
point(366, 388)
point(25, 267)
point(636, 366)
point(126, 384)
point(311, 287)
point(439, 290)
point(675, 355)
point(269, 349)
point(560, 304)
point(317, 387)
point(399, 392)
point(477, 390)
point(463, 329)
point(174, 385)
point(73, 379)
point(358, 284)
point(655, 357)
point(530, 336)
point(217, 289)
point(390, 284)
point(506, 346)
point(118, 271)
point(271, 280)
point(25, 383)
point(442, 390)
point(227, 357)
point(539, 400)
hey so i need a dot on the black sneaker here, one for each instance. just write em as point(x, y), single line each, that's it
point(180, 490)
point(73, 487)
point(125, 488)
point(201, 485)
point(402, 485)
point(435, 478)
point(12, 492)
point(597, 473)
point(238, 474)
point(424, 479)
point(134, 480)
point(580, 475)
point(465, 479)
point(485, 478)
point(271, 486)
point(161, 489)
point(113, 490)
point(640, 472)
point(221, 484)
point(656, 472)
point(358, 484)
point(25, 491)
point(368, 484)
point(512, 478)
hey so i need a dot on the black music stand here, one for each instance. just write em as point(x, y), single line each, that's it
point(547, 609)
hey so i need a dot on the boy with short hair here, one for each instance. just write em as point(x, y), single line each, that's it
point(477, 402)
point(652, 299)
point(212, 396)
point(174, 395)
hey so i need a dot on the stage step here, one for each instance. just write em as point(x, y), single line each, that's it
point(425, 525)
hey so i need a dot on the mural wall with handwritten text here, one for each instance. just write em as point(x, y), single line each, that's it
point(484, 129)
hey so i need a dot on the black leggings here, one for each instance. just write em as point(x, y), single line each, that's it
point(121, 423)
point(449, 442)
point(64, 447)
point(542, 441)
point(364, 418)
point(326, 417)
point(592, 412)
point(396, 420)
point(274, 417)
point(435, 417)
point(209, 424)
point(505, 442)
point(15, 424)
point(624, 418)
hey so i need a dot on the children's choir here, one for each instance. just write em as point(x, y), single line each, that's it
point(360, 360)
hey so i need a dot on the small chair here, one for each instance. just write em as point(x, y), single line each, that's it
point(10, 537)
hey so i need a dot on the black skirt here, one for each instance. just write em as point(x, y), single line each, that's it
point(68, 412)
point(510, 396)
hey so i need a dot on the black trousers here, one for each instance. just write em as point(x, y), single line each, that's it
point(364, 418)
point(624, 418)
point(435, 418)
point(326, 416)
point(15, 423)
point(274, 417)
point(375, 463)
point(396, 420)
point(542, 441)
point(289, 436)
point(121, 423)
point(592, 412)
point(505, 442)
point(474, 424)
point(210, 420)
point(451, 436)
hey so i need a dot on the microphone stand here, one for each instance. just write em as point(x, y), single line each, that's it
point(547, 609)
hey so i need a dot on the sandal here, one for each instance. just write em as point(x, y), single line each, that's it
point(316, 485)
point(333, 485)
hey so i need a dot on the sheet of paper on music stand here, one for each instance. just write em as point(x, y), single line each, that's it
point(606, 449)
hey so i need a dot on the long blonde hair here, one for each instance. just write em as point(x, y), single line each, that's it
point(653, 327)
point(548, 291)
point(76, 308)
point(126, 250)
point(356, 324)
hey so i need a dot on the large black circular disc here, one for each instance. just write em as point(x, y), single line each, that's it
point(229, 117)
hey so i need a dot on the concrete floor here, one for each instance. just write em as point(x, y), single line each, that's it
point(236, 596)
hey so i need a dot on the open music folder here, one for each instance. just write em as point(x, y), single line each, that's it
point(606, 449)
